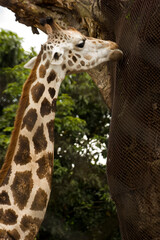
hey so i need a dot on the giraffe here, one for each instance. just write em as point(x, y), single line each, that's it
point(25, 177)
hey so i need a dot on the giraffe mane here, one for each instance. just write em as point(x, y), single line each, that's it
point(23, 103)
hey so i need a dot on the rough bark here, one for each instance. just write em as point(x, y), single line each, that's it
point(88, 16)
point(134, 146)
point(83, 14)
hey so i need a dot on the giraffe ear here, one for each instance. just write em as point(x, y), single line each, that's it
point(30, 63)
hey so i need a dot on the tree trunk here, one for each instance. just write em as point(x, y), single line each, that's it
point(134, 147)
point(132, 87)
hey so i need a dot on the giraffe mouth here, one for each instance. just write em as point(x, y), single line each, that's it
point(115, 55)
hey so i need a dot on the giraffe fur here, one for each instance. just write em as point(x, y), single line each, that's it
point(26, 175)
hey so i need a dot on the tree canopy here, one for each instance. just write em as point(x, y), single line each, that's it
point(80, 206)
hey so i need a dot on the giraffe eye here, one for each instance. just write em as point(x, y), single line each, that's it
point(81, 44)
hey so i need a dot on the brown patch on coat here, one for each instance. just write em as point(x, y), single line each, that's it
point(52, 92)
point(4, 235)
point(44, 56)
point(78, 55)
point(40, 200)
point(30, 224)
point(74, 59)
point(29, 236)
point(82, 63)
point(45, 167)
point(6, 179)
point(37, 92)
point(23, 104)
point(4, 198)
point(63, 66)
point(21, 188)
point(14, 234)
point(39, 140)
point(42, 71)
point(88, 57)
point(54, 105)
point(8, 217)
point(42, 171)
point(45, 107)
point(70, 63)
point(30, 119)
point(47, 64)
point(49, 176)
point(22, 156)
point(51, 77)
point(50, 126)
point(93, 62)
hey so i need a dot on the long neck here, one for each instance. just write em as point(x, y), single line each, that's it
point(27, 172)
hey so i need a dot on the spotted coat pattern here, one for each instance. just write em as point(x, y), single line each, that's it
point(26, 185)
point(25, 191)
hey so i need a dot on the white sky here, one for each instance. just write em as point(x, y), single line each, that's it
point(7, 22)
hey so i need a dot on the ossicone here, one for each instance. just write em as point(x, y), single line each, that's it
point(49, 25)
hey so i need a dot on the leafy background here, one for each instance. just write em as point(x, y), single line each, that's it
point(80, 206)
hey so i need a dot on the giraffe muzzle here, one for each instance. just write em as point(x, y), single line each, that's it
point(115, 55)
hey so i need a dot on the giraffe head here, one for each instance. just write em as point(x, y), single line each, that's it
point(70, 51)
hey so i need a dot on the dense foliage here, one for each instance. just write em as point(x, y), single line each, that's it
point(80, 206)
